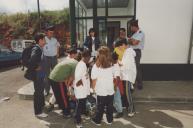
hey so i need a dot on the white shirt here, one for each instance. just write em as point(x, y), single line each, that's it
point(51, 46)
point(104, 80)
point(81, 73)
point(128, 68)
point(139, 35)
point(116, 70)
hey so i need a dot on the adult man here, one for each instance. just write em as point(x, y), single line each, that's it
point(36, 69)
point(137, 43)
point(51, 52)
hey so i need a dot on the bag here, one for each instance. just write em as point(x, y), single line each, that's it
point(30, 75)
point(26, 54)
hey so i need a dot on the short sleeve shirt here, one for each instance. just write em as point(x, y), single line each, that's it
point(50, 49)
point(139, 35)
point(104, 80)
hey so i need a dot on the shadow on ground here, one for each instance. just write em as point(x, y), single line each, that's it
point(146, 117)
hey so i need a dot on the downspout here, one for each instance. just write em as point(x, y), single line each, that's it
point(72, 22)
point(190, 45)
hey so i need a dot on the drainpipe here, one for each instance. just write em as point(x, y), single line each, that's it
point(39, 16)
point(72, 22)
point(190, 45)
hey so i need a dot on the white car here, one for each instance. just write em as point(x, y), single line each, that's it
point(18, 45)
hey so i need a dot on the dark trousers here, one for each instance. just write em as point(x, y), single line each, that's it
point(102, 103)
point(50, 63)
point(138, 81)
point(128, 94)
point(80, 109)
point(60, 93)
point(39, 100)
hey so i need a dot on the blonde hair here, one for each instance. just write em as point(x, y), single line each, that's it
point(104, 59)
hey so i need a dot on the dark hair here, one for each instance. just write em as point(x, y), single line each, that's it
point(123, 41)
point(91, 30)
point(86, 53)
point(114, 56)
point(122, 29)
point(38, 37)
point(72, 51)
point(118, 43)
point(134, 23)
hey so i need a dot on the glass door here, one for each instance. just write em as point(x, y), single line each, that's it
point(102, 31)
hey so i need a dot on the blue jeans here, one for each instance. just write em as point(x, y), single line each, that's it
point(117, 101)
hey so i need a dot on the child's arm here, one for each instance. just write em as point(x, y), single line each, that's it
point(94, 83)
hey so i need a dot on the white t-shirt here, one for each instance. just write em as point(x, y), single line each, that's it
point(51, 46)
point(81, 73)
point(104, 80)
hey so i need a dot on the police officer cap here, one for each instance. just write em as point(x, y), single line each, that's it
point(50, 28)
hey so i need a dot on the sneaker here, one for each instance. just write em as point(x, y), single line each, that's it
point(42, 115)
point(79, 125)
point(85, 117)
point(131, 114)
point(132, 87)
point(95, 122)
point(108, 123)
point(118, 115)
point(50, 107)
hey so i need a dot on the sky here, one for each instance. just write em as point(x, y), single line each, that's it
point(14, 6)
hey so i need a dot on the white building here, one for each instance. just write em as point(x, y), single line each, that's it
point(167, 24)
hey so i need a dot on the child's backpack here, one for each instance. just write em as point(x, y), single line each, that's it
point(26, 54)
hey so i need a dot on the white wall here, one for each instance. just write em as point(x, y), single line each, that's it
point(167, 26)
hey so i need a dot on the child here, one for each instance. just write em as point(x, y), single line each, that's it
point(72, 55)
point(128, 73)
point(117, 95)
point(37, 72)
point(62, 77)
point(102, 82)
point(81, 86)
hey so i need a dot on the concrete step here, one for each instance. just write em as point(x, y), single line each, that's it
point(153, 91)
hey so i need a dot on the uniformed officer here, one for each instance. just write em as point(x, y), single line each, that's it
point(137, 43)
point(51, 52)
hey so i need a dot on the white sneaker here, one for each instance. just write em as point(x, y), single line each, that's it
point(108, 123)
point(42, 115)
point(85, 117)
point(131, 114)
point(132, 87)
point(79, 126)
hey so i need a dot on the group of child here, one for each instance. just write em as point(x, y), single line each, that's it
point(105, 80)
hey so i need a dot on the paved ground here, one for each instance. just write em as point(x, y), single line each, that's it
point(18, 113)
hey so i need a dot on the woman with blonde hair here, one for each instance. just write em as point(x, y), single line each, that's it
point(102, 83)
